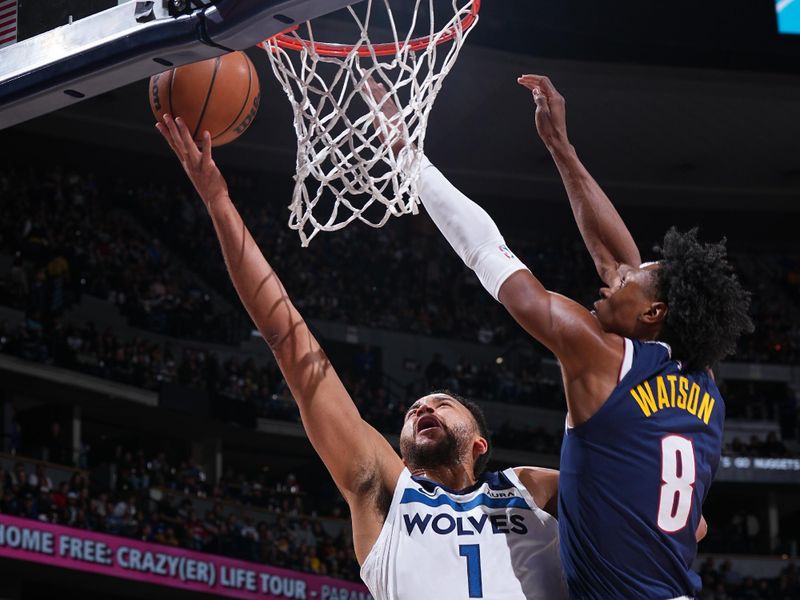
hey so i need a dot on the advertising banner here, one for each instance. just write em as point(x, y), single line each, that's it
point(102, 554)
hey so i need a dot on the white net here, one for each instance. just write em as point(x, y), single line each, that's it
point(345, 171)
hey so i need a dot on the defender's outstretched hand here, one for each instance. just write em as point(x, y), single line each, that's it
point(605, 234)
point(198, 164)
point(551, 114)
point(397, 136)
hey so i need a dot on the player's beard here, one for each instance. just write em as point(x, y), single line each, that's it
point(432, 456)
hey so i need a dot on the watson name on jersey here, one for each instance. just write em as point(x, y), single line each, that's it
point(488, 541)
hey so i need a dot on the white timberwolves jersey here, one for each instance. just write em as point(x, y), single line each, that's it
point(489, 541)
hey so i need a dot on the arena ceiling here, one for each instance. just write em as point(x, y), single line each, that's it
point(652, 134)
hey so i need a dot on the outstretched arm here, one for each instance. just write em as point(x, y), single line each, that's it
point(356, 455)
point(589, 357)
point(604, 233)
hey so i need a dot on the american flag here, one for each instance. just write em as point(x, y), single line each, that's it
point(8, 22)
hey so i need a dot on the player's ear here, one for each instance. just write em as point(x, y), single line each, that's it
point(655, 314)
point(480, 447)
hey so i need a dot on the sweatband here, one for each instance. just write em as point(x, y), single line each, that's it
point(468, 228)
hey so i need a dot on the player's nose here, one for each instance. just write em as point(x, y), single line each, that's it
point(424, 409)
point(605, 292)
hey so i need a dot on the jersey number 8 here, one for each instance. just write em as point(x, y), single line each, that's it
point(677, 483)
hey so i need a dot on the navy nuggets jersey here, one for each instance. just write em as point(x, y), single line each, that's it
point(634, 478)
point(489, 541)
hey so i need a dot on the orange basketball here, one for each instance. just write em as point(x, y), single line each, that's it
point(220, 95)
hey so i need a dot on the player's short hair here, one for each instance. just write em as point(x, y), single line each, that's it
point(483, 428)
point(707, 305)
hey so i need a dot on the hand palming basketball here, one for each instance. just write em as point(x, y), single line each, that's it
point(220, 95)
point(199, 166)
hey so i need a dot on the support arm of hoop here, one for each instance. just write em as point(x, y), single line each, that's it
point(469, 229)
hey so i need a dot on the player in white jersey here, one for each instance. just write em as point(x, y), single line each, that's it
point(485, 537)
point(427, 524)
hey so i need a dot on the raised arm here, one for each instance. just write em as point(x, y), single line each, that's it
point(604, 233)
point(589, 357)
point(357, 456)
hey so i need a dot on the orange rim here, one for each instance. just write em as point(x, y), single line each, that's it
point(289, 42)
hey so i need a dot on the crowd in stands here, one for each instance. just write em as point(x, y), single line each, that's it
point(774, 280)
point(65, 239)
point(70, 234)
point(447, 299)
point(151, 365)
point(763, 401)
point(721, 581)
point(769, 447)
point(153, 501)
point(738, 533)
point(358, 276)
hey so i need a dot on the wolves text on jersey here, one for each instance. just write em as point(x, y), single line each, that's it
point(445, 524)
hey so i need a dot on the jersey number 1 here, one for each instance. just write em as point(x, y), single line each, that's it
point(677, 483)
point(472, 552)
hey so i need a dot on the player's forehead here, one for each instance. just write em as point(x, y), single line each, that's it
point(436, 399)
point(643, 274)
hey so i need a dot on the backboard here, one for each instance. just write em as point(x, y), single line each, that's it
point(69, 50)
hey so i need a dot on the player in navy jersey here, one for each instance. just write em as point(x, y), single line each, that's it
point(644, 424)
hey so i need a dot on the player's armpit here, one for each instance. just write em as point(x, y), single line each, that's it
point(543, 486)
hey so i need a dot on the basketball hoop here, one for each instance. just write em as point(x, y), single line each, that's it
point(343, 164)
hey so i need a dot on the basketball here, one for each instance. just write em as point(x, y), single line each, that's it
point(220, 95)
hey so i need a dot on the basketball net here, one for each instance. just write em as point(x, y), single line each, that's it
point(346, 169)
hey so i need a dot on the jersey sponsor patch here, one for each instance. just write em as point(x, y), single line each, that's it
point(420, 496)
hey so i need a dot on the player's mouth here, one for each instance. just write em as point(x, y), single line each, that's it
point(427, 422)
